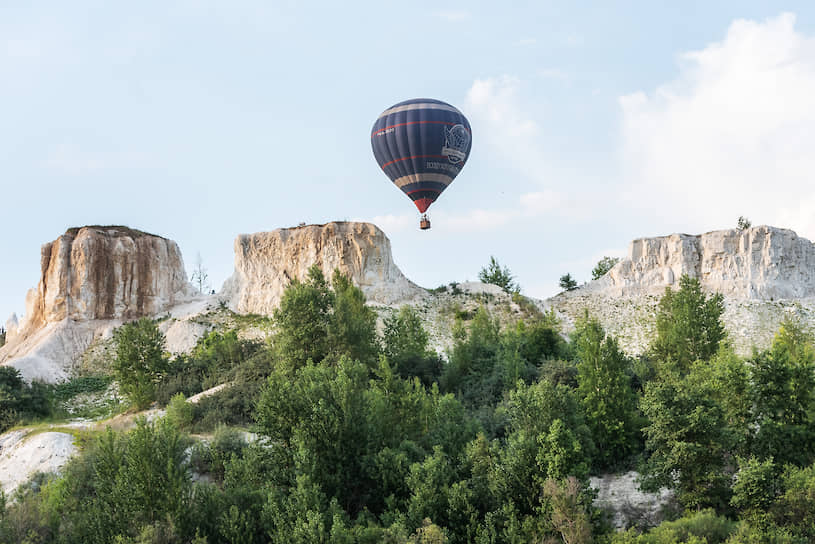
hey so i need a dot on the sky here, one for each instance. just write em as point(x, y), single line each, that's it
point(593, 124)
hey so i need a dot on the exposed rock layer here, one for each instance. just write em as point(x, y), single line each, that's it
point(765, 274)
point(267, 262)
point(92, 277)
point(762, 263)
point(106, 273)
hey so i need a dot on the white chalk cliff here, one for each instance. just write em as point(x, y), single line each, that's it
point(760, 263)
point(765, 274)
point(92, 278)
point(267, 262)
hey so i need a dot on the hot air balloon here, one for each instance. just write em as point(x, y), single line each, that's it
point(421, 145)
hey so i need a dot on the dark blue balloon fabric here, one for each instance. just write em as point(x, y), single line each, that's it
point(422, 145)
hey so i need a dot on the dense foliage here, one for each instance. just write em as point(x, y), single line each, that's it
point(140, 363)
point(367, 437)
point(20, 400)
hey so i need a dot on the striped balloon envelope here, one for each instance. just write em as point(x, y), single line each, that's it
point(422, 145)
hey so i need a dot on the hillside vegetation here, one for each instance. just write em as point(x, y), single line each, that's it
point(360, 435)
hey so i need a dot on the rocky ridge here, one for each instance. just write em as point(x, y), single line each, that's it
point(764, 273)
point(267, 262)
point(758, 263)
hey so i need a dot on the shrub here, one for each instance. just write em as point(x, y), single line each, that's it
point(140, 363)
point(179, 411)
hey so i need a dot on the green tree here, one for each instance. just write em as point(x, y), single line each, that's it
point(405, 345)
point(493, 273)
point(140, 363)
point(755, 489)
point(728, 379)
point(688, 441)
point(783, 380)
point(546, 438)
point(18, 399)
point(795, 508)
point(689, 325)
point(567, 282)
point(603, 265)
point(474, 372)
point(302, 319)
point(368, 434)
point(2, 337)
point(121, 487)
point(605, 393)
point(743, 223)
point(351, 324)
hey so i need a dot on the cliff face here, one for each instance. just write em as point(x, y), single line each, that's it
point(266, 262)
point(92, 276)
point(765, 274)
point(106, 273)
point(759, 263)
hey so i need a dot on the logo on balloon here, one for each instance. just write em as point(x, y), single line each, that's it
point(456, 140)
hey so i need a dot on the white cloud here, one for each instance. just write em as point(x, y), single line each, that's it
point(732, 134)
point(529, 206)
point(494, 104)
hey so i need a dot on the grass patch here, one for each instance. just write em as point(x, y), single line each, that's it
point(87, 397)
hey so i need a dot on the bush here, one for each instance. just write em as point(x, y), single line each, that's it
point(227, 442)
point(140, 363)
point(179, 411)
point(212, 362)
point(19, 400)
point(703, 527)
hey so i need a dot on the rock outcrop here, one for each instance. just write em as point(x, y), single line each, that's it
point(765, 274)
point(759, 263)
point(23, 454)
point(267, 262)
point(12, 326)
point(91, 278)
point(106, 273)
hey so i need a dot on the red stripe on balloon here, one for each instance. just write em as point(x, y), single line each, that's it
point(423, 204)
point(416, 123)
point(420, 190)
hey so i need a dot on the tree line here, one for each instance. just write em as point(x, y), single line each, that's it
point(366, 436)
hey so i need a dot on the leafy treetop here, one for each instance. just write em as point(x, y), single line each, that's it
point(493, 273)
point(603, 266)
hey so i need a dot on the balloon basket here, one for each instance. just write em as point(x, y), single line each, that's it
point(424, 223)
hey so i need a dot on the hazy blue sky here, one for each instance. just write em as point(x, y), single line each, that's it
point(593, 123)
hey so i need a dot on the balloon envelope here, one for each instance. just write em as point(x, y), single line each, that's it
point(421, 145)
